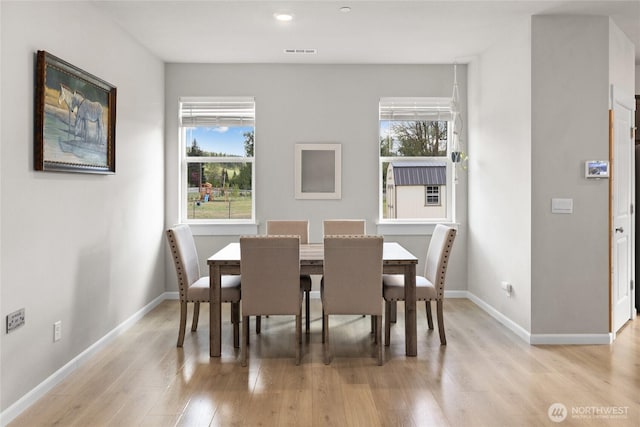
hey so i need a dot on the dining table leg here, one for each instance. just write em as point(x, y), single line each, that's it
point(411, 329)
point(215, 316)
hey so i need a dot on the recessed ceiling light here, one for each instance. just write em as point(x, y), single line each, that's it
point(284, 17)
point(345, 9)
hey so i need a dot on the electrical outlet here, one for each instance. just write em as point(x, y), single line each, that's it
point(15, 320)
point(57, 331)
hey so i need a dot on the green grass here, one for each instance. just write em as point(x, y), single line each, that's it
point(235, 208)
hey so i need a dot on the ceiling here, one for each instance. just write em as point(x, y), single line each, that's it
point(382, 32)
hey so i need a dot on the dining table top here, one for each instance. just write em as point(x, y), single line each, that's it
point(313, 254)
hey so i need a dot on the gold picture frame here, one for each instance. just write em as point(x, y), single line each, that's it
point(75, 119)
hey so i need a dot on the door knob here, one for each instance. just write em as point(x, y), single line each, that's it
point(619, 230)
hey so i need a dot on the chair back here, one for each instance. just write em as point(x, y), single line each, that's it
point(289, 228)
point(270, 272)
point(352, 282)
point(339, 227)
point(435, 268)
point(185, 257)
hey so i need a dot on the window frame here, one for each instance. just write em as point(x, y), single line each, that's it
point(427, 194)
point(450, 191)
point(185, 160)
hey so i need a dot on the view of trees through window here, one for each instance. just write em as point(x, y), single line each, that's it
point(422, 144)
point(220, 186)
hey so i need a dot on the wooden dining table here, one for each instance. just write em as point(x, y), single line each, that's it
point(396, 260)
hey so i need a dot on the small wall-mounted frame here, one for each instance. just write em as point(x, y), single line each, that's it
point(596, 169)
point(318, 171)
point(75, 119)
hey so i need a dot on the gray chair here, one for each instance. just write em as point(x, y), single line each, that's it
point(352, 282)
point(293, 228)
point(429, 287)
point(341, 227)
point(270, 271)
point(193, 287)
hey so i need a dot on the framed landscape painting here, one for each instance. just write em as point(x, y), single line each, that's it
point(75, 119)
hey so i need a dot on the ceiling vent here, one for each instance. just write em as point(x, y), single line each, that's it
point(301, 51)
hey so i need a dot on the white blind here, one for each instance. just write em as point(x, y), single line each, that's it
point(232, 111)
point(423, 109)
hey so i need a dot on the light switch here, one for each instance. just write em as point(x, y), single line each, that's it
point(562, 206)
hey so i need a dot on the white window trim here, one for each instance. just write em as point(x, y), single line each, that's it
point(441, 108)
point(214, 226)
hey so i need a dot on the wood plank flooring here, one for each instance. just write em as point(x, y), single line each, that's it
point(485, 376)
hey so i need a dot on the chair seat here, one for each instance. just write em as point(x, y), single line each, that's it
point(393, 288)
point(230, 289)
point(305, 283)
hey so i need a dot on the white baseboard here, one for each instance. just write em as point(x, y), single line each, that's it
point(508, 323)
point(570, 339)
point(44, 387)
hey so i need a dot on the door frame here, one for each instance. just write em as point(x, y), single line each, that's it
point(618, 97)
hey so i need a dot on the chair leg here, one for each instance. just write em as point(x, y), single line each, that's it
point(298, 335)
point(373, 326)
point(258, 324)
point(183, 322)
point(235, 320)
point(245, 340)
point(325, 339)
point(196, 316)
point(379, 339)
point(387, 322)
point(307, 304)
point(394, 311)
point(443, 339)
point(427, 305)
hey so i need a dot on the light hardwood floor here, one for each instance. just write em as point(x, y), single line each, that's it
point(485, 376)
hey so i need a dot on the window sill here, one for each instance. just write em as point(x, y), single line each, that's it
point(227, 228)
point(403, 228)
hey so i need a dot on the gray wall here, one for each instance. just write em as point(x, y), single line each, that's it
point(84, 249)
point(313, 103)
point(570, 80)
point(499, 246)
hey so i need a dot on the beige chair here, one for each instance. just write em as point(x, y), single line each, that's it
point(340, 227)
point(293, 228)
point(429, 287)
point(352, 282)
point(195, 288)
point(270, 271)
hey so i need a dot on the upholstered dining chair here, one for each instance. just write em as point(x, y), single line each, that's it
point(352, 282)
point(337, 227)
point(429, 287)
point(270, 271)
point(193, 287)
point(293, 228)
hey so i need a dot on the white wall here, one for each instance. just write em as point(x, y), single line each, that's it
point(312, 103)
point(84, 249)
point(570, 81)
point(500, 175)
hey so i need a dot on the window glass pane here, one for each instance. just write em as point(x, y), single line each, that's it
point(219, 190)
point(413, 138)
point(219, 141)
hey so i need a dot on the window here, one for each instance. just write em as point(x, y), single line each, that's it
point(432, 195)
point(415, 174)
point(217, 137)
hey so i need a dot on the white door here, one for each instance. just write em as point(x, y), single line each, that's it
point(622, 210)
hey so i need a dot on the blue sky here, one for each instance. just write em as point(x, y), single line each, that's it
point(221, 139)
